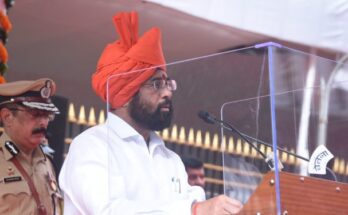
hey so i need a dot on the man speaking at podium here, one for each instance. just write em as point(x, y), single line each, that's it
point(122, 166)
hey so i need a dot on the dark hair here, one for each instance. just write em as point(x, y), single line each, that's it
point(193, 163)
point(9, 106)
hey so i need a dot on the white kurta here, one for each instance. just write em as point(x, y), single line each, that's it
point(110, 170)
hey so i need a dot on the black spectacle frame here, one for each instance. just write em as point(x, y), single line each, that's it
point(159, 84)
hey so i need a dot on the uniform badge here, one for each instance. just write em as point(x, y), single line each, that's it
point(53, 186)
point(46, 90)
point(52, 182)
point(10, 171)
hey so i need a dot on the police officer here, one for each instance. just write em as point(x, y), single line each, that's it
point(27, 179)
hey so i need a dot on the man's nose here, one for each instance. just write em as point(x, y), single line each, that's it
point(200, 181)
point(165, 92)
point(43, 120)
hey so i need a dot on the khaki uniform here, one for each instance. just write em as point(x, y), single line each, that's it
point(15, 194)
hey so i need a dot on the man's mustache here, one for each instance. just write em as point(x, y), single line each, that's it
point(166, 103)
point(39, 131)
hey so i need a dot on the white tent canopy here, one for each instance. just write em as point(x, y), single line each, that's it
point(315, 23)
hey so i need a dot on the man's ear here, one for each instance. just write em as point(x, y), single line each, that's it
point(6, 116)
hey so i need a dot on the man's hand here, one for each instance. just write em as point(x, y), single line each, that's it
point(217, 206)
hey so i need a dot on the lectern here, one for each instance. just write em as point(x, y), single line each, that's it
point(299, 195)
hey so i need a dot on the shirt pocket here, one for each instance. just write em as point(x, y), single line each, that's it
point(13, 195)
point(14, 188)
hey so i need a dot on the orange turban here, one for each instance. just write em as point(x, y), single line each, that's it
point(124, 55)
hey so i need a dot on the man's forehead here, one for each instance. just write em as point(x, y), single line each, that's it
point(195, 170)
point(159, 74)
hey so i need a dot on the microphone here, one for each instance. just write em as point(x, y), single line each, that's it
point(208, 118)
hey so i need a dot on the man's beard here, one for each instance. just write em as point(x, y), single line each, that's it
point(155, 121)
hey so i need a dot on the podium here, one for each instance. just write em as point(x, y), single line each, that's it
point(299, 195)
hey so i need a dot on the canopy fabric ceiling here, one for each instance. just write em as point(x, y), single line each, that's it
point(63, 39)
point(316, 23)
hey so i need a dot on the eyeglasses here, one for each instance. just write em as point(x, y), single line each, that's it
point(36, 113)
point(159, 84)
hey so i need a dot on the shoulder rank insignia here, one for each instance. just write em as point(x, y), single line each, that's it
point(12, 148)
point(10, 170)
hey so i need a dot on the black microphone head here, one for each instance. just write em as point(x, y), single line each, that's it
point(205, 116)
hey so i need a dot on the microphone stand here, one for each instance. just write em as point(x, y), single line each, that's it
point(270, 162)
point(244, 137)
point(208, 118)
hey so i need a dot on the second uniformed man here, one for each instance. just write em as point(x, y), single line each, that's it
point(27, 178)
